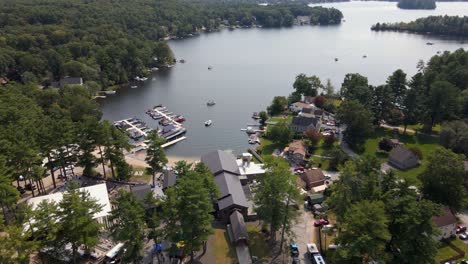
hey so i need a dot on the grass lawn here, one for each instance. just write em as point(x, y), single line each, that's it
point(278, 118)
point(324, 164)
point(425, 143)
point(257, 243)
point(435, 129)
point(267, 146)
point(446, 252)
point(223, 251)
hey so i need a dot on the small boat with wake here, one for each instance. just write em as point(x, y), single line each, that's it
point(210, 103)
point(208, 123)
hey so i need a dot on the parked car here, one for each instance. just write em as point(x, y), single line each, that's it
point(464, 261)
point(30, 187)
point(294, 250)
point(324, 221)
point(20, 189)
point(461, 229)
point(317, 223)
point(463, 236)
point(327, 177)
point(299, 168)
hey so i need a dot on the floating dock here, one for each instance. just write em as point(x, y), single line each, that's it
point(132, 126)
point(170, 143)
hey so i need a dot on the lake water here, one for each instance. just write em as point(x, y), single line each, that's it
point(250, 66)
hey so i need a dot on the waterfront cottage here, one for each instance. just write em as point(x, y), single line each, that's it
point(446, 222)
point(403, 158)
point(299, 106)
point(301, 123)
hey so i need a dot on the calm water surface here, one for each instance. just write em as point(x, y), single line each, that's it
point(250, 66)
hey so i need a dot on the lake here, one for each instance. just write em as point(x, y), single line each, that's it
point(250, 66)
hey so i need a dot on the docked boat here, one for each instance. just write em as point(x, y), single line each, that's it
point(182, 61)
point(166, 123)
point(208, 122)
point(210, 103)
point(250, 130)
point(256, 115)
point(133, 86)
point(430, 43)
point(179, 119)
point(154, 69)
point(109, 92)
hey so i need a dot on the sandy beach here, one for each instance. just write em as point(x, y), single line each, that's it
point(138, 159)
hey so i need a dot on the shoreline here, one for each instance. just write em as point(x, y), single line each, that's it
point(137, 160)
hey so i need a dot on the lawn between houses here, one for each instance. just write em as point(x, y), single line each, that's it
point(425, 143)
point(445, 252)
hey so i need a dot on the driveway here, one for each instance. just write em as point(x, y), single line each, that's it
point(305, 233)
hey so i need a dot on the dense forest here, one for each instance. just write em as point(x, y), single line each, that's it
point(417, 4)
point(110, 42)
point(439, 25)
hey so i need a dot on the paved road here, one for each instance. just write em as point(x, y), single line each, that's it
point(305, 233)
point(344, 146)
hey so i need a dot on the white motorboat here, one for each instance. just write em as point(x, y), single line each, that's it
point(208, 122)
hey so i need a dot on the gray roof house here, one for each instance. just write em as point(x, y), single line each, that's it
point(237, 229)
point(68, 81)
point(219, 161)
point(301, 123)
point(403, 158)
point(224, 167)
point(169, 180)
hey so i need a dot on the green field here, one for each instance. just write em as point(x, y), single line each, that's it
point(446, 252)
point(423, 142)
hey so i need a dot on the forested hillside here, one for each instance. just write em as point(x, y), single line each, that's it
point(439, 25)
point(110, 42)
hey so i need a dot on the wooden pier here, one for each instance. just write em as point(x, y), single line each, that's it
point(170, 143)
point(133, 127)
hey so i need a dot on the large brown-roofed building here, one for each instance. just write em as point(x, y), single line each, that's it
point(313, 178)
point(300, 124)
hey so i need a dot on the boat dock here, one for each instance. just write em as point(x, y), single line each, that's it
point(170, 143)
point(133, 127)
point(167, 115)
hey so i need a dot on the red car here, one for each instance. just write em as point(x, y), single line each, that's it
point(299, 168)
point(324, 221)
point(461, 229)
point(317, 223)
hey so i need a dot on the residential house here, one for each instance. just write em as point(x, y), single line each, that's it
point(302, 20)
point(313, 178)
point(319, 113)
point(300, 124)
point(67, 81)
point(226, 171)
point(299, 106)
point(403, 158)
point(141, 192)
point(446, 222)
point(97, 192)
point(297, 151)
point(169, 180)
point(237, 229)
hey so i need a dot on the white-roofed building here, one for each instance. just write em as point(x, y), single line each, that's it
point(248, 169)
point(97, 192)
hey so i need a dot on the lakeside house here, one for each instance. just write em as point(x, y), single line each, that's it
point(67, 81)
point(142, 191)
point(446, 222)
point(309, 100)
point(302, 20)
point(299, 106)
point(313, 178)
point(296, 151)
point(300, 124)
point(169, 179)
point(97, 192)
point(403, 158)
point(307, 112)
point(249, 170)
